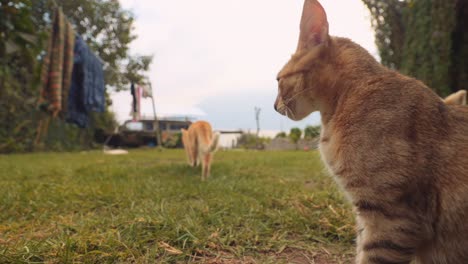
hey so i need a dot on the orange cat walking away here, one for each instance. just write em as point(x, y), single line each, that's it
point(396, 149)
point(200, 143)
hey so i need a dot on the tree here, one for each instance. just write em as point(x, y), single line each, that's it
point(19, 48)
point(426, 39)
point(295, 134)
point(136, 69)
point(387, 20)
point(311, 132)
point(281, 135)
point(251, 141)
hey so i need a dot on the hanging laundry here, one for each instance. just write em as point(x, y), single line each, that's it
point(57, 66)
point(87, 91)
point(134, 99)
point(147, 91)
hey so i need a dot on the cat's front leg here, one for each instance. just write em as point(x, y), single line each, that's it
point(386, 238)
point(359, 233)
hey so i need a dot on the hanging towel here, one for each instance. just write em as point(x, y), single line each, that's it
point(57, 65)
point(87, 91)
point(147, 91)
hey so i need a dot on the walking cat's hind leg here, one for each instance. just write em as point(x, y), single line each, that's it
point(195, 156)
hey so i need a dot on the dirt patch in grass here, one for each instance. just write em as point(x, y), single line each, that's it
point(288, 255)
point(321, 256)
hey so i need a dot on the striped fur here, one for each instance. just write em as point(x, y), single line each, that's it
point(398, 151)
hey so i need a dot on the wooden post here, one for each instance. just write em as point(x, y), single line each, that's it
point(257, 119)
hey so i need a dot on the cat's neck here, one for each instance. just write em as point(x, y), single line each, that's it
point(351, 67)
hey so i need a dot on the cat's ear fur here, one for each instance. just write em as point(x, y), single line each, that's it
point(458, 98)
point(314, 26)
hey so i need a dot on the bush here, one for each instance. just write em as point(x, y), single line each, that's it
point(295, 134)
point(281, 135)
point(173, 140)
point(250, 141)
point(311, 132)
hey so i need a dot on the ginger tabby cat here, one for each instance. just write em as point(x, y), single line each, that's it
point(200, 143)
point(397, 150)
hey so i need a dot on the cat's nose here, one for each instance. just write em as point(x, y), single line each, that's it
point(277, 103)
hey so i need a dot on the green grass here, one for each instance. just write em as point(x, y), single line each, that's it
point(151, 207)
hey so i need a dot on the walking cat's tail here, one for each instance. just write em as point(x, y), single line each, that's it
point(458, 98)
point(214, 142)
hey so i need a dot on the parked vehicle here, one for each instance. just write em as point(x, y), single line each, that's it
point(143, 133)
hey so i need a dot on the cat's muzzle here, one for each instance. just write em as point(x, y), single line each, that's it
point(280, 107)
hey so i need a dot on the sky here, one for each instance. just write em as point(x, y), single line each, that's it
point(217, 60)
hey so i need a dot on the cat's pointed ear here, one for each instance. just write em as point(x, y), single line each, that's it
point(314, 25)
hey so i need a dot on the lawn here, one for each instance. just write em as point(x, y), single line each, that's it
point(150, 207)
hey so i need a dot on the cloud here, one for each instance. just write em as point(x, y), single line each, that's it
point(208, 50)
